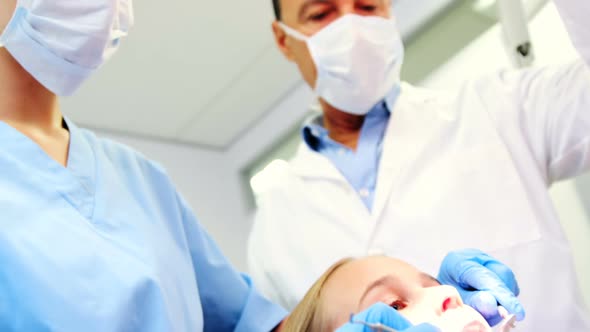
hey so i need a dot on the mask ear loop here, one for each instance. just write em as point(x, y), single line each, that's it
point(293, 33)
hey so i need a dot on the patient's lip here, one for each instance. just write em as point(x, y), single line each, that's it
point(475, 326)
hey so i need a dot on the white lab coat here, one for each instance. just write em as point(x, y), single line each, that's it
point(463, 171)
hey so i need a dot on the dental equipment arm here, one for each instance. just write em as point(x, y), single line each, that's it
point(516, 32)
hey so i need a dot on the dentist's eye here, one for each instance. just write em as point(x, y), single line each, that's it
point(368, 8)
point(398, 305)
point(320, 14)
point(318, 17)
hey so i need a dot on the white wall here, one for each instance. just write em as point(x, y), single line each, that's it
point(277, 122)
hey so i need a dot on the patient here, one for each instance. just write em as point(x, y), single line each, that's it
point(353, 285)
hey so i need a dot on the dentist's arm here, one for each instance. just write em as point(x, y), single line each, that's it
point(575, 14)
point(542, 114)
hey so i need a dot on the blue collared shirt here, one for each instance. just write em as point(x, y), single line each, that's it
point(108, 244)
point(360, 167)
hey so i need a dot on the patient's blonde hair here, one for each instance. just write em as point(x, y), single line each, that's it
point(308, 315)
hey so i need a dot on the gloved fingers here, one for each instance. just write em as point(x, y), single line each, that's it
point(482, 279)
point(472, 270)
point(505, 274)
point(495, 320)
point(457, 262)
point(351, 327)
point(386, 315)
point(361, 328)
point(379, 313)
point(510, 302)
point(485, 303)
point(422, 328)
point(475, 276)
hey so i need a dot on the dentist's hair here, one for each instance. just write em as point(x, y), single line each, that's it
point(276, 5)
point(308, 315)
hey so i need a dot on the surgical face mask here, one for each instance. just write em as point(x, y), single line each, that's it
point(358, 61)
point(61, 42)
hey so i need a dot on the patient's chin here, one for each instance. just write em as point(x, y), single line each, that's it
point(462, 319)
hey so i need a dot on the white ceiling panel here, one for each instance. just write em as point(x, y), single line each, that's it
point(179, 56)
point(245, 102)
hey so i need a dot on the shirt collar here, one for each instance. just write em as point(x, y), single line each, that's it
point(81, 157)
point(314, 132)
point(22, 150)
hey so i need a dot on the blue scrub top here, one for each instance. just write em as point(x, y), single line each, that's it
point(108, 244)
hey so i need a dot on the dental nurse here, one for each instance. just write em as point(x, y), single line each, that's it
point(93, 236)
point(388, 168)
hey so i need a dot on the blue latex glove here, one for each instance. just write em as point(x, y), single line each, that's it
point(483, 283)
point(381, 313)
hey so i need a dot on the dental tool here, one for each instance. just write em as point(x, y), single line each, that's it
point(377, 327)
point(508, 322)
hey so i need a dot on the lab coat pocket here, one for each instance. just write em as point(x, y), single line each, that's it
point(470, 197)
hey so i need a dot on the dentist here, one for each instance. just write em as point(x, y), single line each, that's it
point(388, 168)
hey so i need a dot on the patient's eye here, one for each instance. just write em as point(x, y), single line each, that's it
point(398, 305)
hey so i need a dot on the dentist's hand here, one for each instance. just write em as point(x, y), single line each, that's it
point(383, 314)
point(483, 282)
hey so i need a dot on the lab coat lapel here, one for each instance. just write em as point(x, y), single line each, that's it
point(312, 165)
point(404, 141)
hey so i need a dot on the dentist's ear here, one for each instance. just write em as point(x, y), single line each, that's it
point(281, 39)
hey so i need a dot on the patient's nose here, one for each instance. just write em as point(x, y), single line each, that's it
point(443, 298)
point(450, 302)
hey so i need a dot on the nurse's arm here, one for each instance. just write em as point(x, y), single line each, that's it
point(229, 300)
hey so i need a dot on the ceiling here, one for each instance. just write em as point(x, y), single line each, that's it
point(199, 72)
